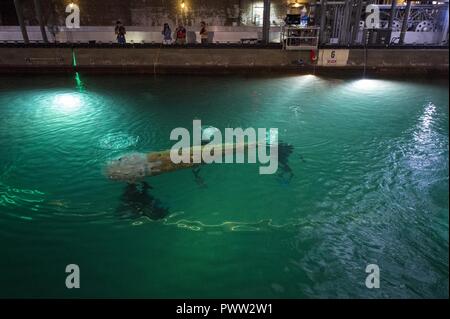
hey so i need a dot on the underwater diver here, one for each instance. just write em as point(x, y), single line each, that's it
point(207, 132)
point(137, 202)
point(302, 158)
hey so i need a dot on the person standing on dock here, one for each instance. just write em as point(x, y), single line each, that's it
point(120, 33)
point(167, 34)
point(203, 33)
point(180, 34)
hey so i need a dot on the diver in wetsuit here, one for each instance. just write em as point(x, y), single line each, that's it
point(207, 132)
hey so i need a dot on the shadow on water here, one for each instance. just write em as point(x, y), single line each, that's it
point(136, 202)
point(285, 173)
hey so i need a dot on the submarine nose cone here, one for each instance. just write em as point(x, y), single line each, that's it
point(128, 168)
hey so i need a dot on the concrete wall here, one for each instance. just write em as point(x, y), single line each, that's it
point(145, 59)
point(35, 58)
point(149, 60)
point(402, 58)
point(187, 57)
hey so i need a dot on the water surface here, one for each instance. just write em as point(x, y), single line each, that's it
point(370, 165)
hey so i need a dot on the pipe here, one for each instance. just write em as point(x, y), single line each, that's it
point(37, 7)
point(444, 37)
point(314, 11)
point(323, 20)
point(357, 19)
point(19, 12)
point(405, 22)
point(336, 21)
point(266, 22)
point(391, 18)
point(343, 38)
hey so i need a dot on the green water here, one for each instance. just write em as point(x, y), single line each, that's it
point(370, 184)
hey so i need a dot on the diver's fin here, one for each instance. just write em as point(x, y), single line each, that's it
point(198, 179)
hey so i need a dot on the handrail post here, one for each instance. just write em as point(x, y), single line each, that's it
point(23, 28)
point(266, 22)
point(37, 8)
point(405, 22)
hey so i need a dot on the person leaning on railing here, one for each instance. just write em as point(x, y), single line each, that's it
point(120, 33)
point(167, 34)
point(180, 35)
point(203, 33)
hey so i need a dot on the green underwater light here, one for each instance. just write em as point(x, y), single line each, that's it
point(78, 82)
point(74, 59)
